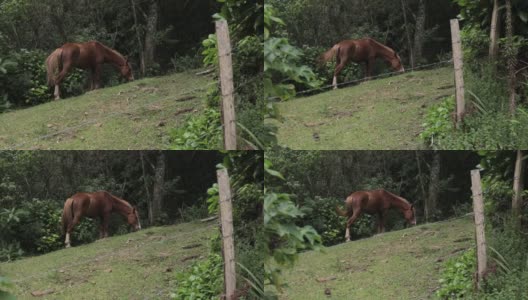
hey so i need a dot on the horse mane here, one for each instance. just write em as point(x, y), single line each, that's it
point(108, 49)
point(401, 199)
point(387, 48)
point(120, 202)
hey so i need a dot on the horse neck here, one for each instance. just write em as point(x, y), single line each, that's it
point(113, 57)
point(398, 202)
point(382, 50)
point(120, 206)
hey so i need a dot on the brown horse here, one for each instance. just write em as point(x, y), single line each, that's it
point(374, 202)
point(96, 205)
point(363, 50)
point(90, 56)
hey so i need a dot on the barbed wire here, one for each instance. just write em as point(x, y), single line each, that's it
point(275, 98)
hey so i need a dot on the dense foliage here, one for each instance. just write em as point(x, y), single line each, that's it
point(457, 276)
point(283, 238)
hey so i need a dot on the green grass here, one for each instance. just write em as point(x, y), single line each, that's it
point(135, 115)
point(139, 265)
point(377, 114)
point(402, 264)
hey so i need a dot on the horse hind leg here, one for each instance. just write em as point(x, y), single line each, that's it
point(74, 222)
point(351, 221)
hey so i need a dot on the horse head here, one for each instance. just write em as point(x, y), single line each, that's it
point(133, 219)
point(410, 215)
point(126, 70)
point(396, 64)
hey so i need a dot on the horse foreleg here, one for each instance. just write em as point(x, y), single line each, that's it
point(351, 221)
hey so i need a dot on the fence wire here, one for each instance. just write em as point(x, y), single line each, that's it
point(275, 99)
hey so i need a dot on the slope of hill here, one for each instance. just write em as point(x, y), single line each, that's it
point(139, 265)
point(378, 114)
point(135, 115)
point(402, 264)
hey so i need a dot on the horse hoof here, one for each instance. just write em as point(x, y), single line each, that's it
point(68, 246)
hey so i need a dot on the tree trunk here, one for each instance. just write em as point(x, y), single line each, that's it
point(158, 189)
point(150, 42)
point(494, 32)
point(518, 187)
point(409, 43)
point(434, 184)
point(426, 204)
point(138, 36)
point(145, 183)
point(511, 55)
point(419, 33)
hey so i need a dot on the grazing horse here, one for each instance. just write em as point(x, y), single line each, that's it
point(374, 202)
point(96, 205)
point(364, 50)
point(90, 56)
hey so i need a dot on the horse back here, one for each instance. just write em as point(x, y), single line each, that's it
point(92, 204)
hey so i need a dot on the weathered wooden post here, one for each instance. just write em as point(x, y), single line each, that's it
point(459, 72)
point(226, 217)
point(226, 82)
point(478, 209)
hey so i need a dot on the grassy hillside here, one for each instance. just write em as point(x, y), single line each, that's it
point(135, 115)
point(140, 265)
point(402, 264)
point(378, 114)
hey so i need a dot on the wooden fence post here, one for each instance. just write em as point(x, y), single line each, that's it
point(459, 72)
point(226, 217)
point(226, 82)
point(478, 209)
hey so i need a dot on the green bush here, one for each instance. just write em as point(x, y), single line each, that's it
point(438, 122)
point(203, 280)
point(203, 132)
point(181, 63)
point(489, 131)
point(475, 40)
point(457, 277)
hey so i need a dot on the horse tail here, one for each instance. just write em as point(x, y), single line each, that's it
point(328, 55)
point(52, 65)
point(67, 214)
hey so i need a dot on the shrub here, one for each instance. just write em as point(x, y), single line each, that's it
point(203, 280)
point(199, 132)
point(181, 63)
point(457, 277)
point(438, 122)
